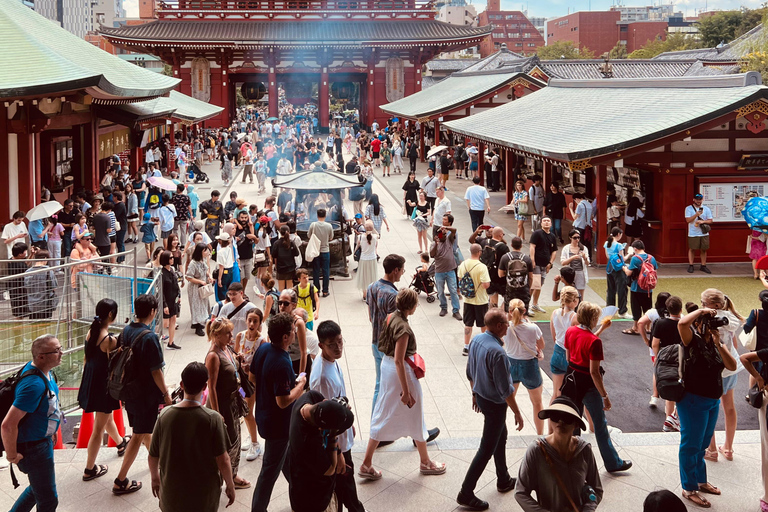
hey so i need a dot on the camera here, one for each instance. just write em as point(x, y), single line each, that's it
point(715, 322)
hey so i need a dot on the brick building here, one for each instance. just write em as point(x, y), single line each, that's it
point(510, 27)
point(599, 31)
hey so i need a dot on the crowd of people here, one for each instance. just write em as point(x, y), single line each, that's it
point(274, 366)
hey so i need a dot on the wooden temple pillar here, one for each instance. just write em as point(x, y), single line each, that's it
point(274, 95)
point(90, 175)
point(172, 150)
point(602, 207)
point(26, 159)
point(5, 193)
point(481, 162)
point(421, 142)
point(371, 94)
point(324, 101)
point(437, 132)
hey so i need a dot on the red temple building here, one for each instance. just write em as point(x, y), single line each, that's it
point(364, 52)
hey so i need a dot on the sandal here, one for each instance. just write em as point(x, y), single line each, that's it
point(92, 474)
point(710, 455)
point(432, 468)
point(728, 454)
point(125, 487)
point(709, 489)
point(369, 473)
point(122, 446)
point(697, 499)
point(243, 484)
point(630, 331)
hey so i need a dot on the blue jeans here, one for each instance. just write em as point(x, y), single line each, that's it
point(322, 264)
point(377, 357)
point(37, 464)
point(556, 228)
point(698, 416)
point(594, 404)
point(66, 246)
point(492, 444)
point(440, 279)
point(274, 460)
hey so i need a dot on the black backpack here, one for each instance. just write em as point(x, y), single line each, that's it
point(517, 272)
point(121, 373)
point(668, 370)
point(8, 394)
point(488, 258)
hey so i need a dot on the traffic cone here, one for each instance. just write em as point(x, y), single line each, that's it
point(120, 423)
point(86, 429)
point(59, 441)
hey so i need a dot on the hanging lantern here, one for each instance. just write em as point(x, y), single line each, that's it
point(253, 91)
point(341, 90)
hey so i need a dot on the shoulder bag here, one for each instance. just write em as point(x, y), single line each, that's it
point(416, 362)
point(205, 291)
point(749, 340)
point(557, 476)
point(522, 206)
point(538, 354)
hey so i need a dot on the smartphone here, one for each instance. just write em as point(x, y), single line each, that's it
point(486, 227)
point(302, 374)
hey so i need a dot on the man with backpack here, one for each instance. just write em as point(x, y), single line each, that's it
point(517, 268)
point(494, 248)
point(445, 266)
point(141, 384)
point(236, 310)
point(642, 272)
point(474, 281)
point(31, 422)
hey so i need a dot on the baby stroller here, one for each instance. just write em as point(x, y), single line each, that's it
point(425, 282)
point(197, 174)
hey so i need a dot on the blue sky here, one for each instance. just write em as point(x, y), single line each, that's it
point(553, 8)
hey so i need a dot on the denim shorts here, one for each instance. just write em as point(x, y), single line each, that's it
point(730, 382)
point(525, 371)
point(558, 364)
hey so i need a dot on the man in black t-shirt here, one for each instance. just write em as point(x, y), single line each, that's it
point(664, 333)
point(245, 238)
point(313, 451)
point(543, 253)
point(66, 218)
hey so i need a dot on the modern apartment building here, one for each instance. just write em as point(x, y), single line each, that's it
point(510, 27)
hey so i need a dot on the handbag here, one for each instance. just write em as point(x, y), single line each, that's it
point(557, 476)
point(313, 249)
point(245, 383)
point(358, 252)
point(259, 257)
point(755, 397)
point(749, 340)
point(416, 362)
point(205, 291)
point(522, 208)
point(749, 244)
point(536, 282)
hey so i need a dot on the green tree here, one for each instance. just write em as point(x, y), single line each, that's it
point(675, 41)
point(750, 19)
point(563, 50)
point(618, 52)
point(720, 28)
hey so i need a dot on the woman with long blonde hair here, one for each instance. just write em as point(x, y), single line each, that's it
point(524, 346)
point(717, 300)
point(562, 318)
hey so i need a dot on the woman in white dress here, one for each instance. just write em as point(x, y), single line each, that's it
point(399, 410)
point(367, 268)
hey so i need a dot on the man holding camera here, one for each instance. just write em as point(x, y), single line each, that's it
point(699, 219)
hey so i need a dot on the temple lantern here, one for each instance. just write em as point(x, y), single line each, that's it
point(253, 91)
point(341, 90)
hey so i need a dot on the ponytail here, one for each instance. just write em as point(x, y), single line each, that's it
point(615, 232)
point(285, 234)
point(516, 311)
point(730, 307)
point(369, 237)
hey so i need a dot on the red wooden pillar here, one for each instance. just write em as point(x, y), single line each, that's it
point(324, 99)
point(225, 94)
point(421, 142)
point(5, 193)
point(172, 150)
point(602, 207)
point(90, 156)
point(135, 159)
point(509, 174)
point(481, 162)
point(38, 169)
point(437, 132)
point(274, 96)
point(371, 94)
point(26, 157)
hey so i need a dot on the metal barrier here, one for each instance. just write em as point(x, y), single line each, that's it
point(61, 300)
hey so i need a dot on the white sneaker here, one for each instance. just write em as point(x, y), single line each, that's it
point(246, 444)
point(538, 308)
point(655, 402)
point(253, 452)
point(626, 316)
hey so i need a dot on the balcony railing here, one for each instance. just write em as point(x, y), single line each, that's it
point(279, 7)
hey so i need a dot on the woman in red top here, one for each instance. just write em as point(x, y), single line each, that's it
point(584, 379)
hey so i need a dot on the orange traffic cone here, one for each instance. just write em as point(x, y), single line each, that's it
point(120, 423)
point(59, 441)
point(86, 429)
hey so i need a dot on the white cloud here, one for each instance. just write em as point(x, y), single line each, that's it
point(131, 8)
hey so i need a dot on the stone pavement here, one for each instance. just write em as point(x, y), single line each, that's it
point(447, 405)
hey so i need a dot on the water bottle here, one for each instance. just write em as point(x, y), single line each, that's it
point(588, 494)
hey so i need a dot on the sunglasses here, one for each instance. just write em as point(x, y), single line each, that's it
point(557, 417)
point(285, 303)
point(575, 238)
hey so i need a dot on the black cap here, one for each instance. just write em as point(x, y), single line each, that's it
point(698, 196)
point(333, 415)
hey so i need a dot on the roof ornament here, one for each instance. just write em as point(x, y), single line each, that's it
point(606, 68)
point(503, 47)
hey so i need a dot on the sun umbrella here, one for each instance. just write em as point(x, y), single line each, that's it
point(435, 150)
point(44, 210)
point(301, 117)
point(162, 183)
point(272, 119)
point(395, 119)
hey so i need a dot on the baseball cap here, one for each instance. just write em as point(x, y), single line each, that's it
point(698, 196)
point(358, 215)
point(333, 415)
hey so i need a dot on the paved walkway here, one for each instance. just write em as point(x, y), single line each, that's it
point(447, 402)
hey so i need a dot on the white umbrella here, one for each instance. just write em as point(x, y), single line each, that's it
point(162, 183)
point(435, 150)
point(44, 210)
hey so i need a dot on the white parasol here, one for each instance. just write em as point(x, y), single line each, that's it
point(162, 183)
point(44, 210)
point(435, 150)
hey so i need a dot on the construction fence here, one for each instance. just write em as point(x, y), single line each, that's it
point(59, 297)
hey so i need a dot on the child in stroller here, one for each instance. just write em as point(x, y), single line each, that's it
point(194, 172)
point(423, 280)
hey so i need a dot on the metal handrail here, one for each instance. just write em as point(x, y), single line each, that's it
point(72, 263)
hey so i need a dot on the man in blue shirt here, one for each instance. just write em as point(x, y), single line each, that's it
point(696, 215)
point(30, 445)
point(478, 202)
point(38, 235)
point(492, 393)
point(276, 389)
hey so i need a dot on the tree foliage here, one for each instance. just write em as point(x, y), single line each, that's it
point(675, 41)
point(725, 26)
point(563, 50)
point(618, 52)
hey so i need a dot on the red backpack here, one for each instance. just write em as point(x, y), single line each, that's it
point(647, 277)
